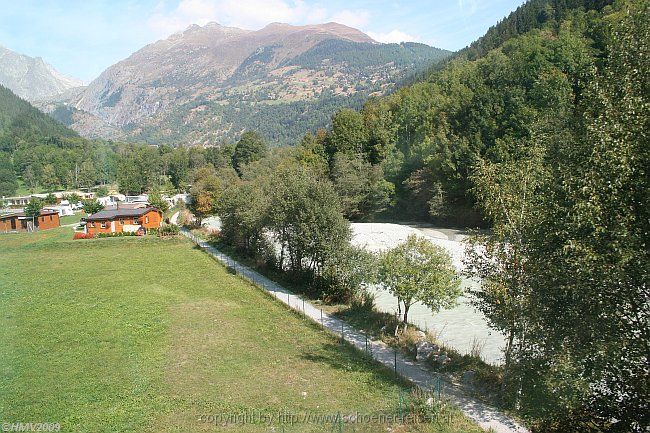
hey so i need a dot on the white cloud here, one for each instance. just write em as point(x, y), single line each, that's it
point(472, 4)
point(247, 14)
point(352, 18)
point(393, 37)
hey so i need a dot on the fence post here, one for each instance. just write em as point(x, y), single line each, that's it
point(342, 333)
point(366, 334)
point(303, 307)
point(395, 361)
point(321, 317)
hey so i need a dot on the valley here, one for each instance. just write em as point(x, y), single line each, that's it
point(479, 216)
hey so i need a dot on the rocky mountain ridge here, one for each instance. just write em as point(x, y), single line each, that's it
point(32, 78)
point(208, 83)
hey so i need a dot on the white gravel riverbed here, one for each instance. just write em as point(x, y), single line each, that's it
point(458, 327)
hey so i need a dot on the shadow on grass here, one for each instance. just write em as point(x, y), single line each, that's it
point(345, 357)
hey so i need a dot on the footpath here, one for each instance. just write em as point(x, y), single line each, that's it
point(485, 416)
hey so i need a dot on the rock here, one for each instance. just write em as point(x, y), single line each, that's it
point(421, 335)
point(430, 401)
point(424, 349)
point(468, 377)
point(443, 359)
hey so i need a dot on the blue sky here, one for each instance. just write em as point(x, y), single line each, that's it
point(81, 38)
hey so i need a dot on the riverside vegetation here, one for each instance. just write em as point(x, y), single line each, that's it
point(542, 135)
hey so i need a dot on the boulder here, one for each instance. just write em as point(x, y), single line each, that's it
point(443, 359)
point(424, 349)
point(468, 377)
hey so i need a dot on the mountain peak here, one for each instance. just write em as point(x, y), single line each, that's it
point(335, 29)
point(32, 78)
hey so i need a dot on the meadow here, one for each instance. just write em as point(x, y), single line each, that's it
point(150, 334)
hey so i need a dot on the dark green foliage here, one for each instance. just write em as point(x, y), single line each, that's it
point(19, 121)
point(34, 207)
point(92, 206)
point(534, 14)
point(568, 246)
point(299, 211)
point(251, 147)
point(428, 136)
point(63, 114)
point(156, 200)
point(361, 186)
point(358, 55)
point(349, 134)
point(8, 180)
point(102, 191)
point(50, 199)
point(45, 153)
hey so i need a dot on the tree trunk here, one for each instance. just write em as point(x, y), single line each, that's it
point(399, 315)
point(406, 315)
point(508, 356)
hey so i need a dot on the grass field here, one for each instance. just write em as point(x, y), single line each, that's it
point(71, 219)
point(149, 334)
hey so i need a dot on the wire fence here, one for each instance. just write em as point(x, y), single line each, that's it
point(432, 383)
point(378, 351)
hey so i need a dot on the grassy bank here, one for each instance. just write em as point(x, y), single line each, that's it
point(149, 334)
point(486, 380)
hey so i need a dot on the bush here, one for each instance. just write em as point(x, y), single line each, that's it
point(117, 234)
point(166, 230)
point(79, 235)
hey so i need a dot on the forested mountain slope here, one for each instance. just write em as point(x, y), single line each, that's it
point(538, 131)
point(483, 103)
point(43, 151)
point(208, 84)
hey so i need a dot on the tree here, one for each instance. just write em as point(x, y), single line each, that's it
point(382, 131)
point(418, 271)
point(346, 271)
point(243, 209)
point(361, 186)
point(306, 218)
point(250, 147)
point(156, 200)
point(87, 174)
point(348, 134)
point(507, 193)
point(565, 265)
point(73, 198)
point(30, 178)
point(205, 193)
point(92, 206)
point(48, 177)
point(8, 180)
point(33, 208)
point(102, 191)
point(179, 168)
point(50, 199)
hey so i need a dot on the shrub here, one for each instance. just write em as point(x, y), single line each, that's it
point(166, 230)
point(80, 235)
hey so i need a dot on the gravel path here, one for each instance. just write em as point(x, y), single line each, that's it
point(485, 416)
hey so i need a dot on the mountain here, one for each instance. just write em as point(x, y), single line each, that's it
point(209, 83)
point(19, 120)
point(485, 101)
point(44, 154)
point(30, 77)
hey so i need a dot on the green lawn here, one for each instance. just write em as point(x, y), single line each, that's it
point(148, 334)
point(70, 219)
